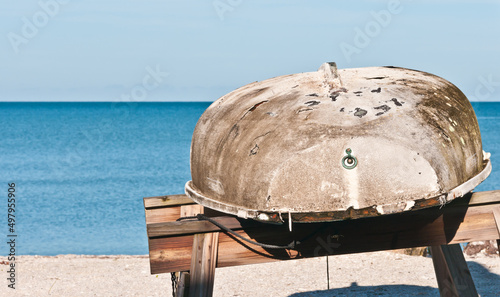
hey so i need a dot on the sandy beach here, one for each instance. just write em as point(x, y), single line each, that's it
point(367, 274)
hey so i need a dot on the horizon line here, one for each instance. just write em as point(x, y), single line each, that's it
point(194, 101)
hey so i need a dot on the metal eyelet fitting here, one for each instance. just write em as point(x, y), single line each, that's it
point(349, 162)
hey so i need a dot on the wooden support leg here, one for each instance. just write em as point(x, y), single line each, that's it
point(183, 285)
point(182, 289)
point(452, 273)
point(203, 261)
point(496, 214)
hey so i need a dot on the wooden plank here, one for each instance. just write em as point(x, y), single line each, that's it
point(169, 200)
point(191, 210)
point(496, 215)
point(161, 215)
point(184, 276)
point(476, 198)
point(452, 273)
point(170, 209)
point(203, 262)
point(429, 227)
point(192, 227)
point(159, 210)
point(486, 197)
point(171, 212)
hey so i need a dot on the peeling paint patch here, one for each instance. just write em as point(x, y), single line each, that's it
point(263, 217)
point(409, 205)
point(295, 86)
point(253, 108)
point(312, 103)
point(334, 96)
point(462, 140)
point(216, 186)
point(376, 90)
point(235, 131)
point(254, 150)
point(358, 112)
point(271, 114)
point(444, 134)
point(265, 134)
point(396, 102)
point(384, 108)
point(376, 77)
point(452, 129)
point(304, 109)
point(257, 105)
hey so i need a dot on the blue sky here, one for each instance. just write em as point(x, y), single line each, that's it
point(161, 50)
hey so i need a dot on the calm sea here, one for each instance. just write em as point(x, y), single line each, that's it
point(81, 170)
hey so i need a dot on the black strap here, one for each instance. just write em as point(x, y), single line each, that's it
point(201, 217)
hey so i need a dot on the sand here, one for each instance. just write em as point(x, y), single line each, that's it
point(368, 274)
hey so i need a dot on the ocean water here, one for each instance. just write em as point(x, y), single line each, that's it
point(82, 169)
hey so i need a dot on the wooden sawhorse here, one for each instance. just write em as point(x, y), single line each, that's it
point(199, 246)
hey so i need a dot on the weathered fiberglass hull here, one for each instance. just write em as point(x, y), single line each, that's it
point(335, 145)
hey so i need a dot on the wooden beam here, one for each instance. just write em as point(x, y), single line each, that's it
point(429, 227)
point(160, 215)
point(465, 219)
point(191, 210)
point(169, 200)
point(496, 215)
point(486, 197)
point(203, 262)
point(183, 286)
point(192, 227)
point(452, 273)
point(160, 210)
point(167, 208)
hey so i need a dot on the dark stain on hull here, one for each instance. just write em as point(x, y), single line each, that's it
point(235, 131)
point(257, 105)
point(254, 150)
point(304, 109)
point(444, 133)
point(384, 108)
point(396, 102)
point(312, 103)
point(376, 90)
point(334, 96)
point(358, 112)
point(313, 95)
